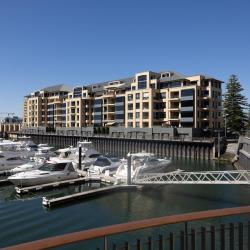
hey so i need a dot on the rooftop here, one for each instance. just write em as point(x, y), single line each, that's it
point(57, 88)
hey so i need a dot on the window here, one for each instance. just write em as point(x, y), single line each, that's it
point(130, 124)
point(119, 116)
point(119, 99)
point(137, 124)
point(130, 97)
point(130, 106)
point(130, 115)
point(119, 108)
point(187, 92)
point(137, 96)
point(137, 105)
point(137, 114)
point(142, 82)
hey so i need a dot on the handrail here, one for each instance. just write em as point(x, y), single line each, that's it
point(126, 227)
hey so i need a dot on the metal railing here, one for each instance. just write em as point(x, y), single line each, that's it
point(186, 238)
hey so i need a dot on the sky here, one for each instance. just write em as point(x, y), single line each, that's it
point(78, 42)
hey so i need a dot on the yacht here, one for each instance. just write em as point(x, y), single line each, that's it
point(51, 171)
point(44, 152)
point(8, 145)
point(33, 164)
point(68, 152)
point(141, 163)
point(89, 155)
point(11, 159)
point(103, 164)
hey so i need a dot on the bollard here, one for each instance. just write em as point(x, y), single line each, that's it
point(128, 169)
point(80, 158)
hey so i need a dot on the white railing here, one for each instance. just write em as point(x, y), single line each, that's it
point(206, 177)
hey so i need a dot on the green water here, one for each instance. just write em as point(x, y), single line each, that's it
point(23, 218)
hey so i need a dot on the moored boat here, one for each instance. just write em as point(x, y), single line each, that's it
point(51, 171)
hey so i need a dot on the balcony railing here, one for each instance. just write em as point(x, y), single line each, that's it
point(187, 238)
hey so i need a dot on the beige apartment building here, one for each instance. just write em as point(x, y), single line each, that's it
point(148, 99)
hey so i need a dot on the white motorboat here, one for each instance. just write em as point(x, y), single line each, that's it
point(44, 152)
point(11, 159)
point(89, 155)
point(65, 153)
point(141, 163)
point(103, 164)
point(8, 145)
point(51, 171)
point(33, 164)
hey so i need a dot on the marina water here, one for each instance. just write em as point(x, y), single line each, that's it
point(23, 218)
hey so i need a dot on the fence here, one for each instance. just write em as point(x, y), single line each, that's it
point(231, 236)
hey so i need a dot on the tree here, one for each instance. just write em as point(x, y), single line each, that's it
point(235, 105)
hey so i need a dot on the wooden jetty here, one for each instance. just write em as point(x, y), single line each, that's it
point(102, 178)
point(23, 190)
point(86, 194)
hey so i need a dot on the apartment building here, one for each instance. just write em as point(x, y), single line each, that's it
point(46, 108)
point(148, 99)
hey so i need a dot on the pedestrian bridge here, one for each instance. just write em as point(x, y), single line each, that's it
point(199, 177)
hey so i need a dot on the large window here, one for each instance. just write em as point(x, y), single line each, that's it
point(187, 92)
point(119, 108)
point(119, 116)
point(142, 82)
point(120, 99)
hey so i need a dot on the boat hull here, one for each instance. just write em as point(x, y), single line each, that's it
point(33, 181)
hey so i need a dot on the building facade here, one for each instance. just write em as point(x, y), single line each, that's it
point(148, 99)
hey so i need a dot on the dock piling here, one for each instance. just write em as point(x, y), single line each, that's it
point(128, 169)
point(80, 157)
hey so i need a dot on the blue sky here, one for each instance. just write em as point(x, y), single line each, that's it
point(84, 41)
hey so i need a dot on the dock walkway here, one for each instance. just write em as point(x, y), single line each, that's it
point(102, 178)
point(96, 192)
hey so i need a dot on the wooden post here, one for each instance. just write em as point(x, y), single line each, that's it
point(182, 240)
point(212, 229)
point(160, 242)
point(240, 226)
point(171, 241)
point(138, 244)
point(203, 238)
point(231, 236)
point(186, 235)
point(193, 240)
point(222, 237)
